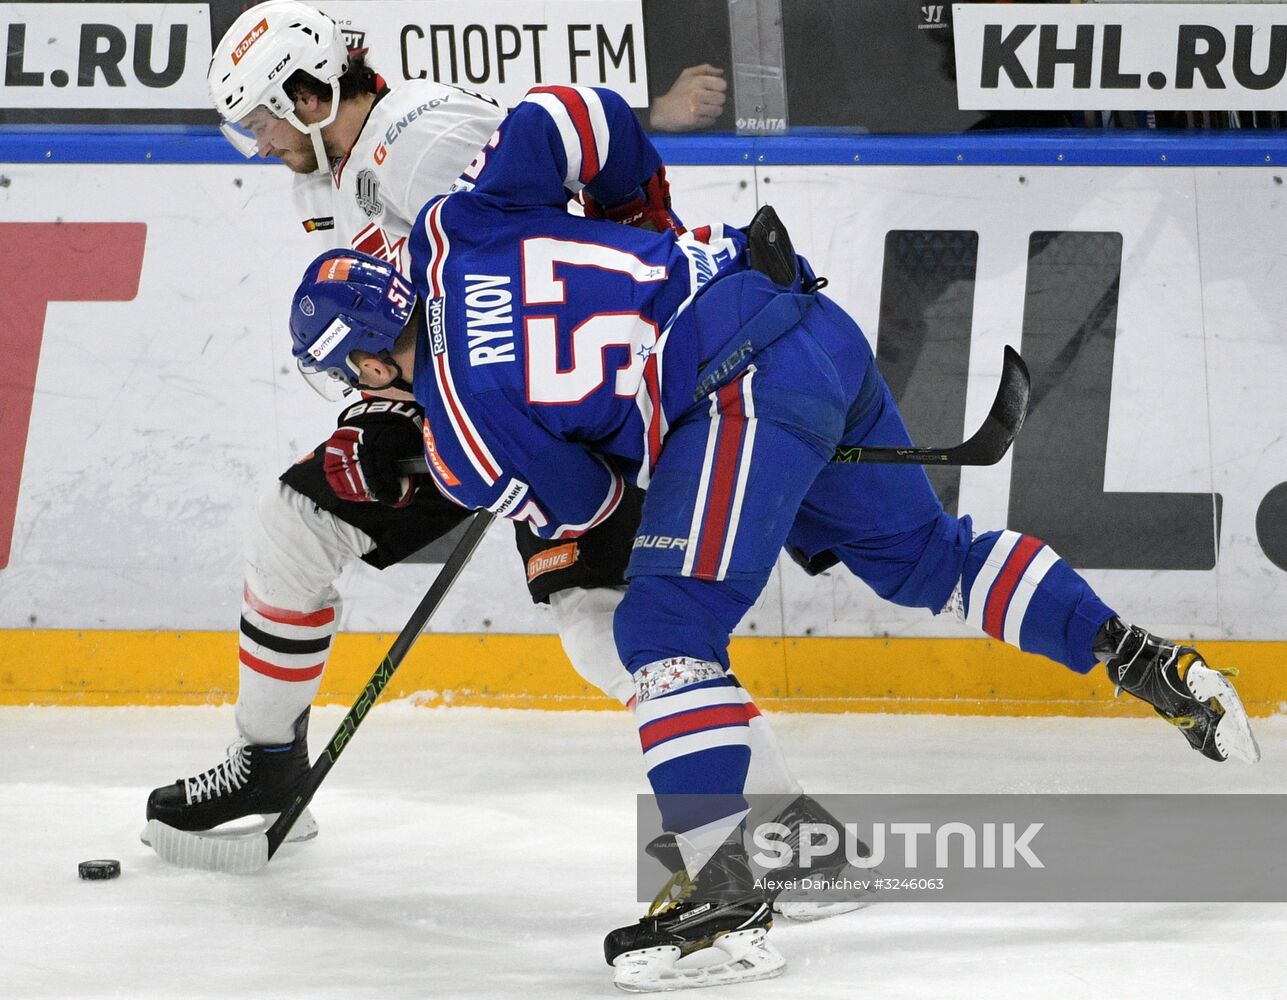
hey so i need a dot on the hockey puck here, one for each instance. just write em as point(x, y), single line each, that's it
point(96, 870)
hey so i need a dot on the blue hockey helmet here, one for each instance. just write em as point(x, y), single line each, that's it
point(348, 301)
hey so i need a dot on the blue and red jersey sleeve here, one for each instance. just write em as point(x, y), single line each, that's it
point(560, 488)
point(560, 140)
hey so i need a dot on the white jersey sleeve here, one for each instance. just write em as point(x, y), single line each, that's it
point(413, 146)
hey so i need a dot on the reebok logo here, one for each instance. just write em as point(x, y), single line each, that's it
point(244, 45)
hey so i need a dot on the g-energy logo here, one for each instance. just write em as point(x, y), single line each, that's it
point(1138, 57)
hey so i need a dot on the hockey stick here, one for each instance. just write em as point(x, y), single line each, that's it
point(242, 855)
point(987, 447)
point(989, 443)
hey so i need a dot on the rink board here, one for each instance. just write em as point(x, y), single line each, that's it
point(164, 399)
point(923, 676)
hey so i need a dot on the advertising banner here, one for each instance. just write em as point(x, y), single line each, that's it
point(105, 55)
point(1125, 56)
point(502, 49)
point(150, 368)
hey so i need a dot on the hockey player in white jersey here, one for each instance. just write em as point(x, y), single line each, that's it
point(384, 152)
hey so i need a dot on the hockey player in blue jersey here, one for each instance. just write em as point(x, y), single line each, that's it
point(558, 358)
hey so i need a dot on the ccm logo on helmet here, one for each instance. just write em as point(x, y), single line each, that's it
point(244, 45)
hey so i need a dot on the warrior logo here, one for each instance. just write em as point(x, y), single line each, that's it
point(368, 193)
point(306, 306)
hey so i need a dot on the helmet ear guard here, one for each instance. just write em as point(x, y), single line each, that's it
point(347, 301)
point(264, 47)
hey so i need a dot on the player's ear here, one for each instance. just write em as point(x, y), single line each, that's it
point(308, 104)
point(371, 367)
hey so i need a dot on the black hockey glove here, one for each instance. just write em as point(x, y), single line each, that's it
point(361, 456)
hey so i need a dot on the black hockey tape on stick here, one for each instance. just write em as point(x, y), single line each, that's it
point(987, 447)
point(989, 443)
point(248, 854)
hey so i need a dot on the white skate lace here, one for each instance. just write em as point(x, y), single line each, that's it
point(222, 778)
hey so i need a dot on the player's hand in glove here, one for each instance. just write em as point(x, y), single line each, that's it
point(648, 209)
point(361, 456)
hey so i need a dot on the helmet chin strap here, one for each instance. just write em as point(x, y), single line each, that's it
point(314, 131)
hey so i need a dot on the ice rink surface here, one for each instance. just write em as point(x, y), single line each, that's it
point(475, 853)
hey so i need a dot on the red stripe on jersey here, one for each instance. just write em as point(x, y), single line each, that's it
point(434, 225)
point(751, 710)
point(282, 673)
point(719, 500)
point(653, 430)
point(574, 103)
point(459, 423)
point(1006, 583)
point(687, 723)
point(310, 619)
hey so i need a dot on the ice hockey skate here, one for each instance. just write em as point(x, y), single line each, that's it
point(795, 904)
point(240, 795)
point(708, 930)
point(1197, 699)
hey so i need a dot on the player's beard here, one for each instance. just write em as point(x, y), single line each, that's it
point(301, 161)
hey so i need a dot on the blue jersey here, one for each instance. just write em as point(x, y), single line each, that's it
point(554, 348)
point(558, 355)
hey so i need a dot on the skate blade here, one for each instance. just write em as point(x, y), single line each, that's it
point(804, 913)
point(305, 828)
point(735, 957)
point(1233, 735)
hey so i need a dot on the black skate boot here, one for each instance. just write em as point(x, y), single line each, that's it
point(254, 781)
point(796, 903)
point(702, 931)
point(1195, 698)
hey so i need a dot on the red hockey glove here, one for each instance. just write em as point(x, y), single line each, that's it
point(648, 209)
point(361, 456)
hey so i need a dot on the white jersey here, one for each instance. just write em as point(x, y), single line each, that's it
point(418, 138)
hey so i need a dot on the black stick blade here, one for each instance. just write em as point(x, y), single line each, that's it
point(989, 443)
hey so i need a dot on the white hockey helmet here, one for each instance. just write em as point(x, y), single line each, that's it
point(258, 54)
